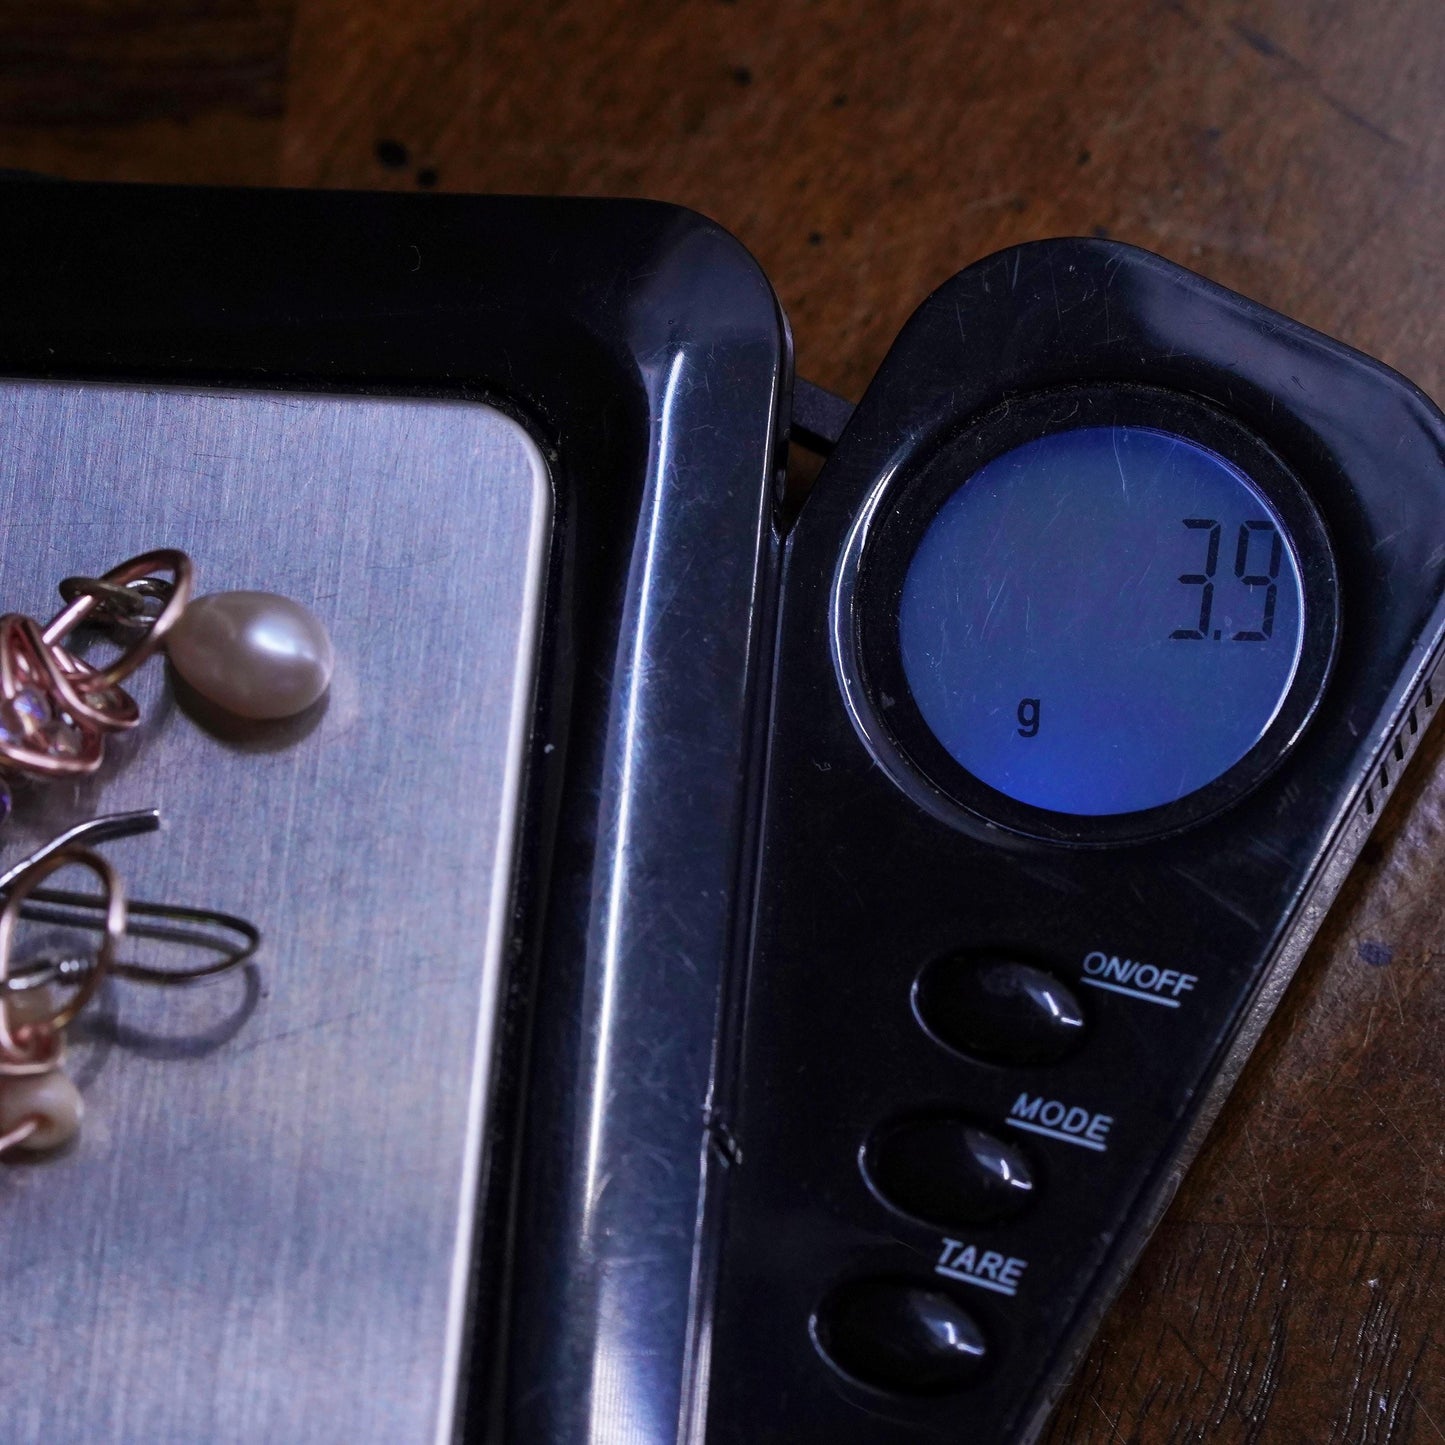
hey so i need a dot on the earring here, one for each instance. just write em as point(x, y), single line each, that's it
point(55, 710)
point(254, 654)
point(40, 1108)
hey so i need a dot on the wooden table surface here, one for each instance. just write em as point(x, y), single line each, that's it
point(864, 150)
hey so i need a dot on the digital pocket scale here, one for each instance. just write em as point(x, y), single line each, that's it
point(728, 978)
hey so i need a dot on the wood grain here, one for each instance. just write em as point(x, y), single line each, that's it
point(866, 149)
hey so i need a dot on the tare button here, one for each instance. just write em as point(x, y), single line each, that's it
point(1136, 978)
point(1055, 1119)
point(899, 1334)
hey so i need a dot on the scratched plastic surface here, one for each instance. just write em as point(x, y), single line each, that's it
point(1201, 929)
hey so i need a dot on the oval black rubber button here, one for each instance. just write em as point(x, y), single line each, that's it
point(898, 1335)
point(999, 1009)
point(947, 1172)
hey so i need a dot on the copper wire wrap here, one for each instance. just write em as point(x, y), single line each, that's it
point(55, 709)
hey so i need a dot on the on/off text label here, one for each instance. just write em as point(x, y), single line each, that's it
point(1135, 979)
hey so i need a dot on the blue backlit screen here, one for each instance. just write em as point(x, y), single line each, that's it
point(1102, 620)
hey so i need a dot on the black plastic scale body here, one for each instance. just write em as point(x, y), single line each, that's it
point(980, 1039)
point(836, 1080)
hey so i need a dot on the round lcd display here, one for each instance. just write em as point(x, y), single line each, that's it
point(1102, 620)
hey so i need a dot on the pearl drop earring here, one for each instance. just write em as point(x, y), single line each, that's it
point(40, 1108)
point(254, 654)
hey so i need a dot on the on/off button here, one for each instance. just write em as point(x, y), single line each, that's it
point(999, 1009)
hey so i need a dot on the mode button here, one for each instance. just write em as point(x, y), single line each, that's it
point(947, 1172)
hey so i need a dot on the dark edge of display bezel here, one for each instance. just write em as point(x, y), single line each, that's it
point(910, 500)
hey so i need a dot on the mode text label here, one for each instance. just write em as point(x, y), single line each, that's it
point(1056, 1120)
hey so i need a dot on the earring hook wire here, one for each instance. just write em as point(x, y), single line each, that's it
point(173, 923)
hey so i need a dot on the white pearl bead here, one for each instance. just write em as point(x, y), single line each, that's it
point(252, 653)
point(51, 1099)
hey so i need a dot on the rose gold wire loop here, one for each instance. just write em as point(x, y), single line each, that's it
point(28, 665)
point(59, 708)
point(163, 559)
point(42, 1050)
point(12, 1041)
point(19, 1134)
point(111, 709)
